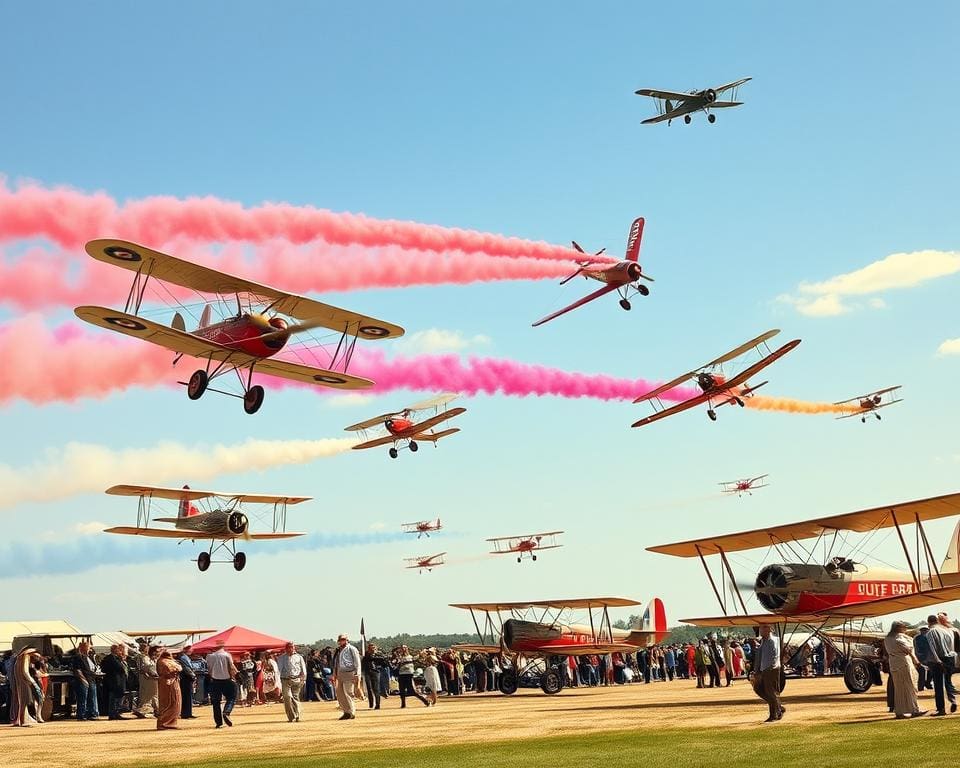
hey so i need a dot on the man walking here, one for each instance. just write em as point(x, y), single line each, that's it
point(941, 658)
point(293, 674)
point(346, 676)
point(222, 672)
point(766, 675)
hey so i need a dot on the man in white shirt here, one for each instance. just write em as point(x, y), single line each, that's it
point(293, 674)
point(346, 676)
point(222, 672)
point(766, 672)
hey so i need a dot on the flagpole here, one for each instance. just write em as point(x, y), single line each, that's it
point(363, 639)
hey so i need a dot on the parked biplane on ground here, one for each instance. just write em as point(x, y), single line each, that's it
point(525, 545)
point(673, 104)
point(622, 276)
point(422, 527)
point(717, 389)
point(256, 323)
point(862, 405)
point(403, 430)
point(425, 561)
point(747, 485)
point(221, 519)
point(817, 586)
point(530, 634)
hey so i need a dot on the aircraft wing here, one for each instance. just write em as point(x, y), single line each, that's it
point(863, 521)
point(733, 354)
point(862, 411)
point(190, 494)
point(679, 110)
point(754, 620)
point(722, 104)
point(525, 536)
point(376, 421)
point(423, 426)
point(656, 93)
point(684, 406)
point(476, 648)
point(759, 477)
point(385, 440)
point(664, 387)
point(586, 649)
point(434, 436)
point(433, 402)
point(578, 603)
point(586, 299)
point(721, 88)
point(137, 258)
point(185, 343)
point(746, 373)
point(173, 533)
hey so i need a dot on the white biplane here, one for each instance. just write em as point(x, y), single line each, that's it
point(403, 430)
point(221, 519)
point(525, 545)
point(862, 405)
point(673, 104)
point(253, 329)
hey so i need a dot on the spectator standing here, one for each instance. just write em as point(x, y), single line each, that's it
point(346, 676)
point(187, 678)
point(168, 691)
point(941, 656)
point(899, 648)
point(293, 674)
point(114, 681)
point(766, 675)
point(85, 683)
point(148, 676)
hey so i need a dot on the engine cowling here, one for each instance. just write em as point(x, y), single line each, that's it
point(633, 271)
point(237, 523)
point(709, 95)
point(773, 587)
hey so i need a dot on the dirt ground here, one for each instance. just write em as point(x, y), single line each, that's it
point(470, 718)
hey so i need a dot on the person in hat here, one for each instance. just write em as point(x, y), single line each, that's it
point(346, 676)
point(899, 648)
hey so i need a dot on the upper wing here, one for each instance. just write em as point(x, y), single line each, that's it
point(375, 421)
point(191, 494)
point(733, 354)
point(759, 477)
point(862, 411)
point(858, 398)
point(433, 402)
point(188, 344)
point(589, 297)
point(664, 387)
point(721, 88)
point(423, 426)
point(170, 269)
point(685, 405)
point(578, 603)
point(167, 533)
point(656, 93)
point(746, 373)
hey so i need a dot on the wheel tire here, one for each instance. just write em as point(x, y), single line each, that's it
point(644, 291)
point(197, 384)
point(687, 119)
point(712, 414)
point(857, 676)
point(625, 304)
point(551, 681)
point(712, 118)
point(253, 399)
point(239, 561)
point(509, 682)
point(740, 402)
point(534, 558)
point(203, 561)
point(414, 447)
point(393, 453)
point(519, 559)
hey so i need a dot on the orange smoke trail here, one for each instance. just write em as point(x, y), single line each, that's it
point(789, 405)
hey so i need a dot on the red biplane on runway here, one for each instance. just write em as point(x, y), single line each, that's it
point(403, 431)
point(741, 487)
point(422, 527)
point(222, 521)
point(862, 405)
point(530, 634)
point(716, 389)
point(799, 591)
point(425, 561)
point(525, 545)
point(252, 331)
point(622, 276)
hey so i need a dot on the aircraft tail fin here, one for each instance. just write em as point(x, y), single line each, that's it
point(186, 508)
point(634, 238)
point(951, 563)
point(205, 317)
point(653, 626)
point(178, 323)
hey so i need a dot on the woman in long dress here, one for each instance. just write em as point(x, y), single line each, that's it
point(149, 687)
point(271, 678)
point(899, 648)
point(25, 693)
point(431, 676)
point(168, 694)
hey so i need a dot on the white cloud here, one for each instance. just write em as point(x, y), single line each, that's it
point(949, 347)
point(830, 297)
point(436, 340)
point(350, 400)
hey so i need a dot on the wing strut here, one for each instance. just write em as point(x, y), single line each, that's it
point(906, 551)
point(723, 604)
point(733, 581)
point(932, 567)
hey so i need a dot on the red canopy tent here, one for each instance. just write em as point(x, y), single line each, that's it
point(237, 640)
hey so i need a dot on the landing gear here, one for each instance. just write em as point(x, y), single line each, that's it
point(197, 384)
point(643, 290)
point(863, 419)
point(711, 118)
point(519, 560)
point(877, 415)
point(534, 558)
point(625, 304)
point(509, 682)
point(239, 560)
point(550, 681)
point(414, 447)
point(203, 561)
point(739, 401)
point(857, 676)
point(393, 453)
point(687, 119)
point(253, 399)
point(712, 414)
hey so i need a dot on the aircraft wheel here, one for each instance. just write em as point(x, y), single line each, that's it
point(687, 119)
point(508, 682)
point(550, 681)
point(203, 561)
point(253, 399)
point(712, 118)
point(625, 304)
point(414, 447)
point(239, 560)
point(740, 401)
point(534, 558)
point(197, 384)
point(857, 676)
point(644, 291)
point(712, 414)
point(863, 419)
point(519, 559)
point(877, 415)
point(393, 453)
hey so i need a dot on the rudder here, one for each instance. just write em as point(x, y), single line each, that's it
point(634, 238)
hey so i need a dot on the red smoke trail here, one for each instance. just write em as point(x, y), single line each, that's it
point(70, 218)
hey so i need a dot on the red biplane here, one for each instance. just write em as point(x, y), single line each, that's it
point(251, 332)
point(422, 527)
point(534, 633)
point(403, 431)
point(425, 561)
point(870, 403)
point(528, 544)
point(622, 276)
point(717, 389)
point(741, 487)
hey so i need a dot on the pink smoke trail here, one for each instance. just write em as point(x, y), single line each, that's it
point(70, 217)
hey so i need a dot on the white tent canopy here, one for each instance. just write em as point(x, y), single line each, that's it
point(12, 629)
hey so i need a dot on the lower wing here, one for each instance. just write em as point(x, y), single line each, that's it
point(161, 533)
point(423, 426)
point(385, 440)
point(722, 104)
point(588, 298)
point(680, 110)
point(684, 406)
point(434, 436)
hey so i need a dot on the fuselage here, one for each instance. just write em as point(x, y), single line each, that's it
point(621, 273)
point(222, 522)
point(400, 427)
point(533, 637)
point(244, 334)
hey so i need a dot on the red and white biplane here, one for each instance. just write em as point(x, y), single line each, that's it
point(526, 545)
point(425, 561)
point(257, 322)
point(422, 527)
point(402, 429)
point(862, 405)
point(715, 388)
point(741, 487)
point(621, 276)
point(221, 519)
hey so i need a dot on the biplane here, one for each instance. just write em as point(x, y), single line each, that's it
point(530, 634)
point(526, 545)
point(221, 519)
point(422, 527)
point(622, 276)
point(257, 322)
point(425, 561)
point(402, 429)
point(715, 388)
point(747, 485)
point(819, 586)
point(673, 104)
point(862, 405)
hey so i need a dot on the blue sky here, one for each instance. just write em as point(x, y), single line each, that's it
point(519, 120)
